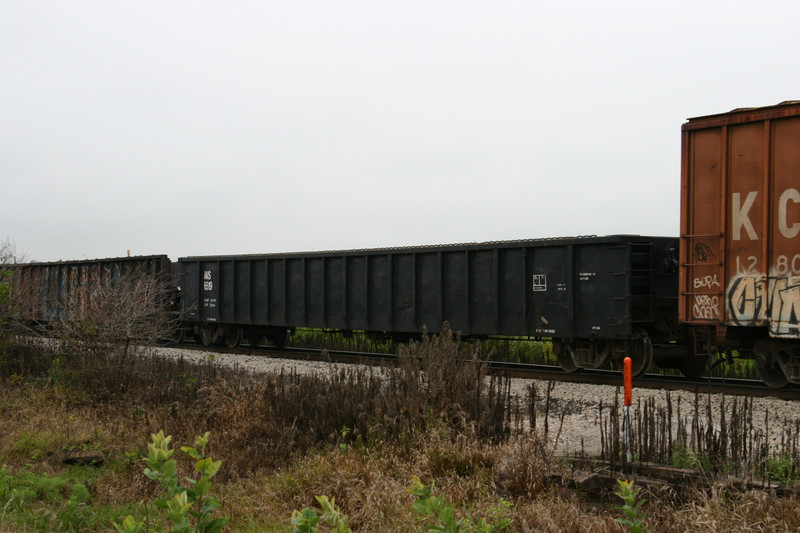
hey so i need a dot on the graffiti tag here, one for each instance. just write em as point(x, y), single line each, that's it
point(748, 305)
point(784, 305)
point(706, 307)
point(706, 282)
point(702, 252)
point(744, 300)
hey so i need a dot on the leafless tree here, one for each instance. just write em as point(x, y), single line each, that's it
point(9, 290)
point(114, 318)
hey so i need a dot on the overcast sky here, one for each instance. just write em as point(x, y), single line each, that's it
point(200, 127)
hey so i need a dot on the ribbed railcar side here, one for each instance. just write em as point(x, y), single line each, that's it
point(612, 287)
point(44, 286)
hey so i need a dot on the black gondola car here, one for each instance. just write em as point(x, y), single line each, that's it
point(594, 296)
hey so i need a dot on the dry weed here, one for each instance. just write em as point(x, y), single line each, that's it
point(724, 510)
point(562, 513)
point(523, 472)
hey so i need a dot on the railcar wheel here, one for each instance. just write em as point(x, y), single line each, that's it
point(768, 365)
point(563, 354)
point(640, 350)
point(208, 335)
point(602, 350)
point(177, 335)
point(233, 336)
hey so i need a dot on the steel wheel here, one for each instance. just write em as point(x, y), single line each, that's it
point(768, 366)
point(233, 336)
point(602, 350)
point(208, 335)
point(563, 354)
point(640, 350)
point(177, 335)
point(279, 339)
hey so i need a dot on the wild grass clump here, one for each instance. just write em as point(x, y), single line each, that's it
point(23, 356)
point(450, 380)
point(715, 439)
point(518, 350)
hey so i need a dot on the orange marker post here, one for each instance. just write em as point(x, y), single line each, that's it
point(627, 375)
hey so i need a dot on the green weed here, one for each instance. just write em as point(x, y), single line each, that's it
point(781, 468)
point(190, 508)
point(42, 501)
point(440, 516)
point(634, 517)
point(306, 521)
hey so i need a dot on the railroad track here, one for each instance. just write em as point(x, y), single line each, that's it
point(743, 387)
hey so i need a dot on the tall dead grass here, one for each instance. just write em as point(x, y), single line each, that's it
point(717, 437)
point(265, 420)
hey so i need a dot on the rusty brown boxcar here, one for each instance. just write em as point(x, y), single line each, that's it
point(740, 236)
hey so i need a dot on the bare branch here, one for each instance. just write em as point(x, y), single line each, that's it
point(114, 317)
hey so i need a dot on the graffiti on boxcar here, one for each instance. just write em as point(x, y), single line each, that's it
point(749, 303)
point(744, 300)
point(706, 307)
point(784, 305)
point(706, 282)
point(702, 252)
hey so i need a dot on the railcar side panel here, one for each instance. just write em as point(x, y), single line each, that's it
point(429, 311)
point(513, 290)
point(740, 220)
point(44, 287)
point(599, 287)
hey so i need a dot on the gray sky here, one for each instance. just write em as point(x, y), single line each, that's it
point(203, 127)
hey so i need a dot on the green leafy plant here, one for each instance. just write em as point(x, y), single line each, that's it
point(435, 510)
point(441, 518)
point(190, 509)
point(634, 517)
point(501, 515)
point(780, 468)
point(306, 521)
point(343, 434)
point(76, 513)
point(23, 494)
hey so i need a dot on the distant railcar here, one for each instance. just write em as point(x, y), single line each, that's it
point(42, 288)
point(595, 296)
